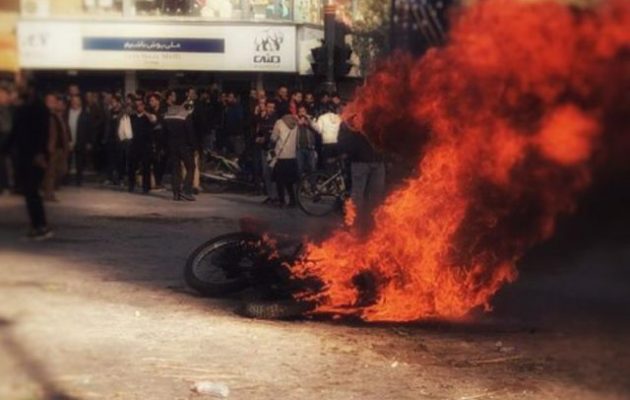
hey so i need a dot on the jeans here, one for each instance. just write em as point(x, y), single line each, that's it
point(178, 156)
point(31, 178)
point(368, 190)
point(4, 173)
point(267, 176)
point(141, 157)
point(307, 161)
point(78, 157)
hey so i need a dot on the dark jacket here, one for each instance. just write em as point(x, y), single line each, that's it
point(179, 128)
point(142, 129)
point(201, 119)
point(306, 134)
point(356, 146)
point(111, 127)
point(97, 122)
point(29, 135)
point(58, 137)
point(234, 120)
point(159, 130)
point(85, 130)
point(265, 127)
point(282, 107)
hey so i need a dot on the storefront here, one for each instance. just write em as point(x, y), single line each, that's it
point(238, 43)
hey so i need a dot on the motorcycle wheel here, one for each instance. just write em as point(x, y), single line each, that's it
point(216, 267)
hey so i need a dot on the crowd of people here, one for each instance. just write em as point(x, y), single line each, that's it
point(139, 138)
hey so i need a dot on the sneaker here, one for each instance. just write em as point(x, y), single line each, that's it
point(51, 199)
point(188, 197)
point(177, 197)
point(40, 234)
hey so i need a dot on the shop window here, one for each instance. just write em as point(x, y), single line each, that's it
point(102, 6)
point(309, 11)
point(215, 9)
point(271, 9)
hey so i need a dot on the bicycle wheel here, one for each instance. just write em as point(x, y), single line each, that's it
point(218, 267)
point(319, 194)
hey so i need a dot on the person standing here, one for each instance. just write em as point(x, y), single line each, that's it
point(180, 134)
point(335, 103)
point(296, 102)
point(6, 124)
point(30, 135)
point(219, 104)
point(141, 146)
point(282, 101)
point(266, 121)
point(112, 142)
point(309, 102)
point(58, 148)
point(81, 138)
point(160, 150)
point(234, 124)
point(306, 142)
point(368, 173)
point(284, 163)
point(198, 106)
point(97, 124)
point(328, 126)
point(324, 104)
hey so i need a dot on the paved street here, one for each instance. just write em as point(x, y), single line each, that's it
point(101, 312)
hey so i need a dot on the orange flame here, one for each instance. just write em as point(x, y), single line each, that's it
point(506, 119)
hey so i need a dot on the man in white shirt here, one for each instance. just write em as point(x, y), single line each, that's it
point(73, 121)
point(80, 137)
point(328, 126)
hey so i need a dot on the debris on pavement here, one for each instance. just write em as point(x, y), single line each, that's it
point(218, 390)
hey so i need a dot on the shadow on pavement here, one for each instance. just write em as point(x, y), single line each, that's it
point(32, 367)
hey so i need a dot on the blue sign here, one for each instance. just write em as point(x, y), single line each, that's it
point(169, 45)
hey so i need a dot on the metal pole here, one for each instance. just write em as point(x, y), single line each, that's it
point(330, 11)
point(392, 27)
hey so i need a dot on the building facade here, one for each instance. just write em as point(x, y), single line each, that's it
point(137, 44)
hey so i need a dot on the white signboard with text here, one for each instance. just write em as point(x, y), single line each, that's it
point(132, 46)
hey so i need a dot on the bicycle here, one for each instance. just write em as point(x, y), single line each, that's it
point(320, 193)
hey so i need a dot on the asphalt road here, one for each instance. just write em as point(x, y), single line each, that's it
point(101, 312)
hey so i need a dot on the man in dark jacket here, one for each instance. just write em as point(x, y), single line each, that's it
point(368, 173)
point(266, 121)
point(282, 101)
point(58, 142)
point(180, 134)
point(141, 146)
point(307, 140)
point(81, 136)
point(234, 124)
point(30, 138)
point(111, 141)
point(160, 151)
point(97, 122)
point(6, 123)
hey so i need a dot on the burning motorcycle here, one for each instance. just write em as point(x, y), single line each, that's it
point(252, 263)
